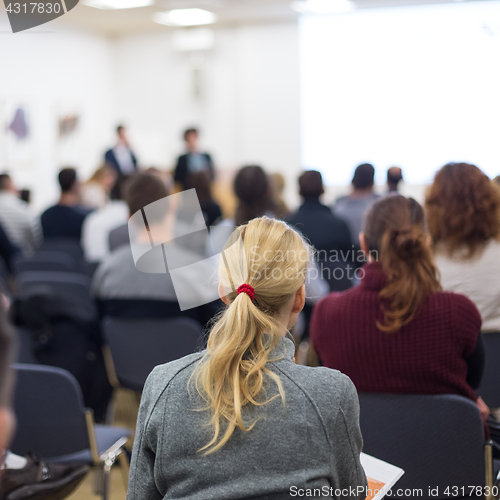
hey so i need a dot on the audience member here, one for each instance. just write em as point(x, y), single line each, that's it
point(26, 477)
point(352, 208)
point(7, 249)
point(96, 191)
point(497, 179)
point(193, 161)
point(242, 406)
point(394, 177)
point(98, 226)
point(463, 212)
point(278, 188)
point(397, 332)
point(253, 190)
point(65, 219)
point(22, 228)
point(328, 234)
point(201, 183)
point(119, 287)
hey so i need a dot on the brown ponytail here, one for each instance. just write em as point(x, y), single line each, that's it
point(395, 232)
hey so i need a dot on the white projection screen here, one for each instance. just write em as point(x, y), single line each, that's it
point(415, 87)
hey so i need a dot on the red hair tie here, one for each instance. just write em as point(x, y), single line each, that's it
point(248, 289)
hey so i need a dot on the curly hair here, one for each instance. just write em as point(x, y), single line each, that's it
point(463, 209)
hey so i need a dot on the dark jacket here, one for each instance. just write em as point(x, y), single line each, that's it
point(182, 170)
point(111, 160)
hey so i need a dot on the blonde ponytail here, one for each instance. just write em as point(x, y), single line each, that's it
point(272, 258)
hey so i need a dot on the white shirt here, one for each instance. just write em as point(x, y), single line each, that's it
point(22, 227)
point(97, 226)
point(123, 156)
point(478, 278)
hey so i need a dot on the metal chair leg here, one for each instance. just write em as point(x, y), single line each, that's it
point(108, 463)
point(124, 467)
point(488, 465)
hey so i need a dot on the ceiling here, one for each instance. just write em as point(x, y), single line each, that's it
point(116, 23)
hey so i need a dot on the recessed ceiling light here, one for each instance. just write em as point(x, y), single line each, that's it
point(118, 4)
point(185, 17)
point(322, 6)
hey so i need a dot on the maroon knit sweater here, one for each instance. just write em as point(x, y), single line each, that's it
point(427, 356)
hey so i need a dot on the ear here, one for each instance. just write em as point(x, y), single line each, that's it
point(222, 295)
point(364, 246)
point(300, 300)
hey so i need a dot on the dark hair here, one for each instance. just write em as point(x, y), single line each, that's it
point(394, 230)
point(463, 208)
point(190, 131)
point(363, 176)
point(252, 188)
point(143, 189)
point(311, 184)
point(392, 178)
point(67, 179)
point(5, 180)
point(200, 181)
point(119, 129)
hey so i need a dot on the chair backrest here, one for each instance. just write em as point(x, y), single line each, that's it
point(437, 439)
point(46, 261)
point(138, 345)
point(489, 389)
point(66, 245)
point(73, 287)
point(50, 414)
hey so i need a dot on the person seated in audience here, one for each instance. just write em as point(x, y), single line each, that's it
point(253, 190)
point(65, 219)
point(497, 179)
point(241, 419)
point(352, 208)
point(278, 187)
point(397, 332)
point(192, 161)
point(394, 177)
point(30, 476)
point(463, 213)
point(22, 228)
point(96, 191)
point(200, 181)
point(7, 250)
point(120, 288)
point(328, 234)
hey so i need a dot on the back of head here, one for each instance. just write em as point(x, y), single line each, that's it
point(5, 182)
point(395, 235)
point(272, 258)
point(67, 179)
point(311, 184)
point(463, 209)
point(143, 189)
point(394, 177)
point(252, 188)
point(200, 181)
point(364, 176)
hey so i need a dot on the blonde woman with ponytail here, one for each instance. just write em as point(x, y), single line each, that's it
point(241, 420)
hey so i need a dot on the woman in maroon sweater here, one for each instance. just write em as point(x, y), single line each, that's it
point(397, 332)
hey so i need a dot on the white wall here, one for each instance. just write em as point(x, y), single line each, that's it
point(55, 67)
point(249, 108)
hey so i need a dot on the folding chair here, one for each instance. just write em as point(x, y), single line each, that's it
point(489, 389)
point(136, 346)
point(438, 440)
point(52, 421)
point(65, 245)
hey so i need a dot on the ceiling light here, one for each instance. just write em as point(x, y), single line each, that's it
point(185, 17)
point(118, 4)
point(322, 6)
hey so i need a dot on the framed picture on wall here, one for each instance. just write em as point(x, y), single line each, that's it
point(69, 134)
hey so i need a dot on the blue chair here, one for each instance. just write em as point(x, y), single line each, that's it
point(438, 440)
point(46, 261)
point(25, 353)
point(52, 420)
point(136, 346)
point(489, 389)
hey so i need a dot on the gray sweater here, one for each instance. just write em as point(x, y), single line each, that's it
point(314, 441)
